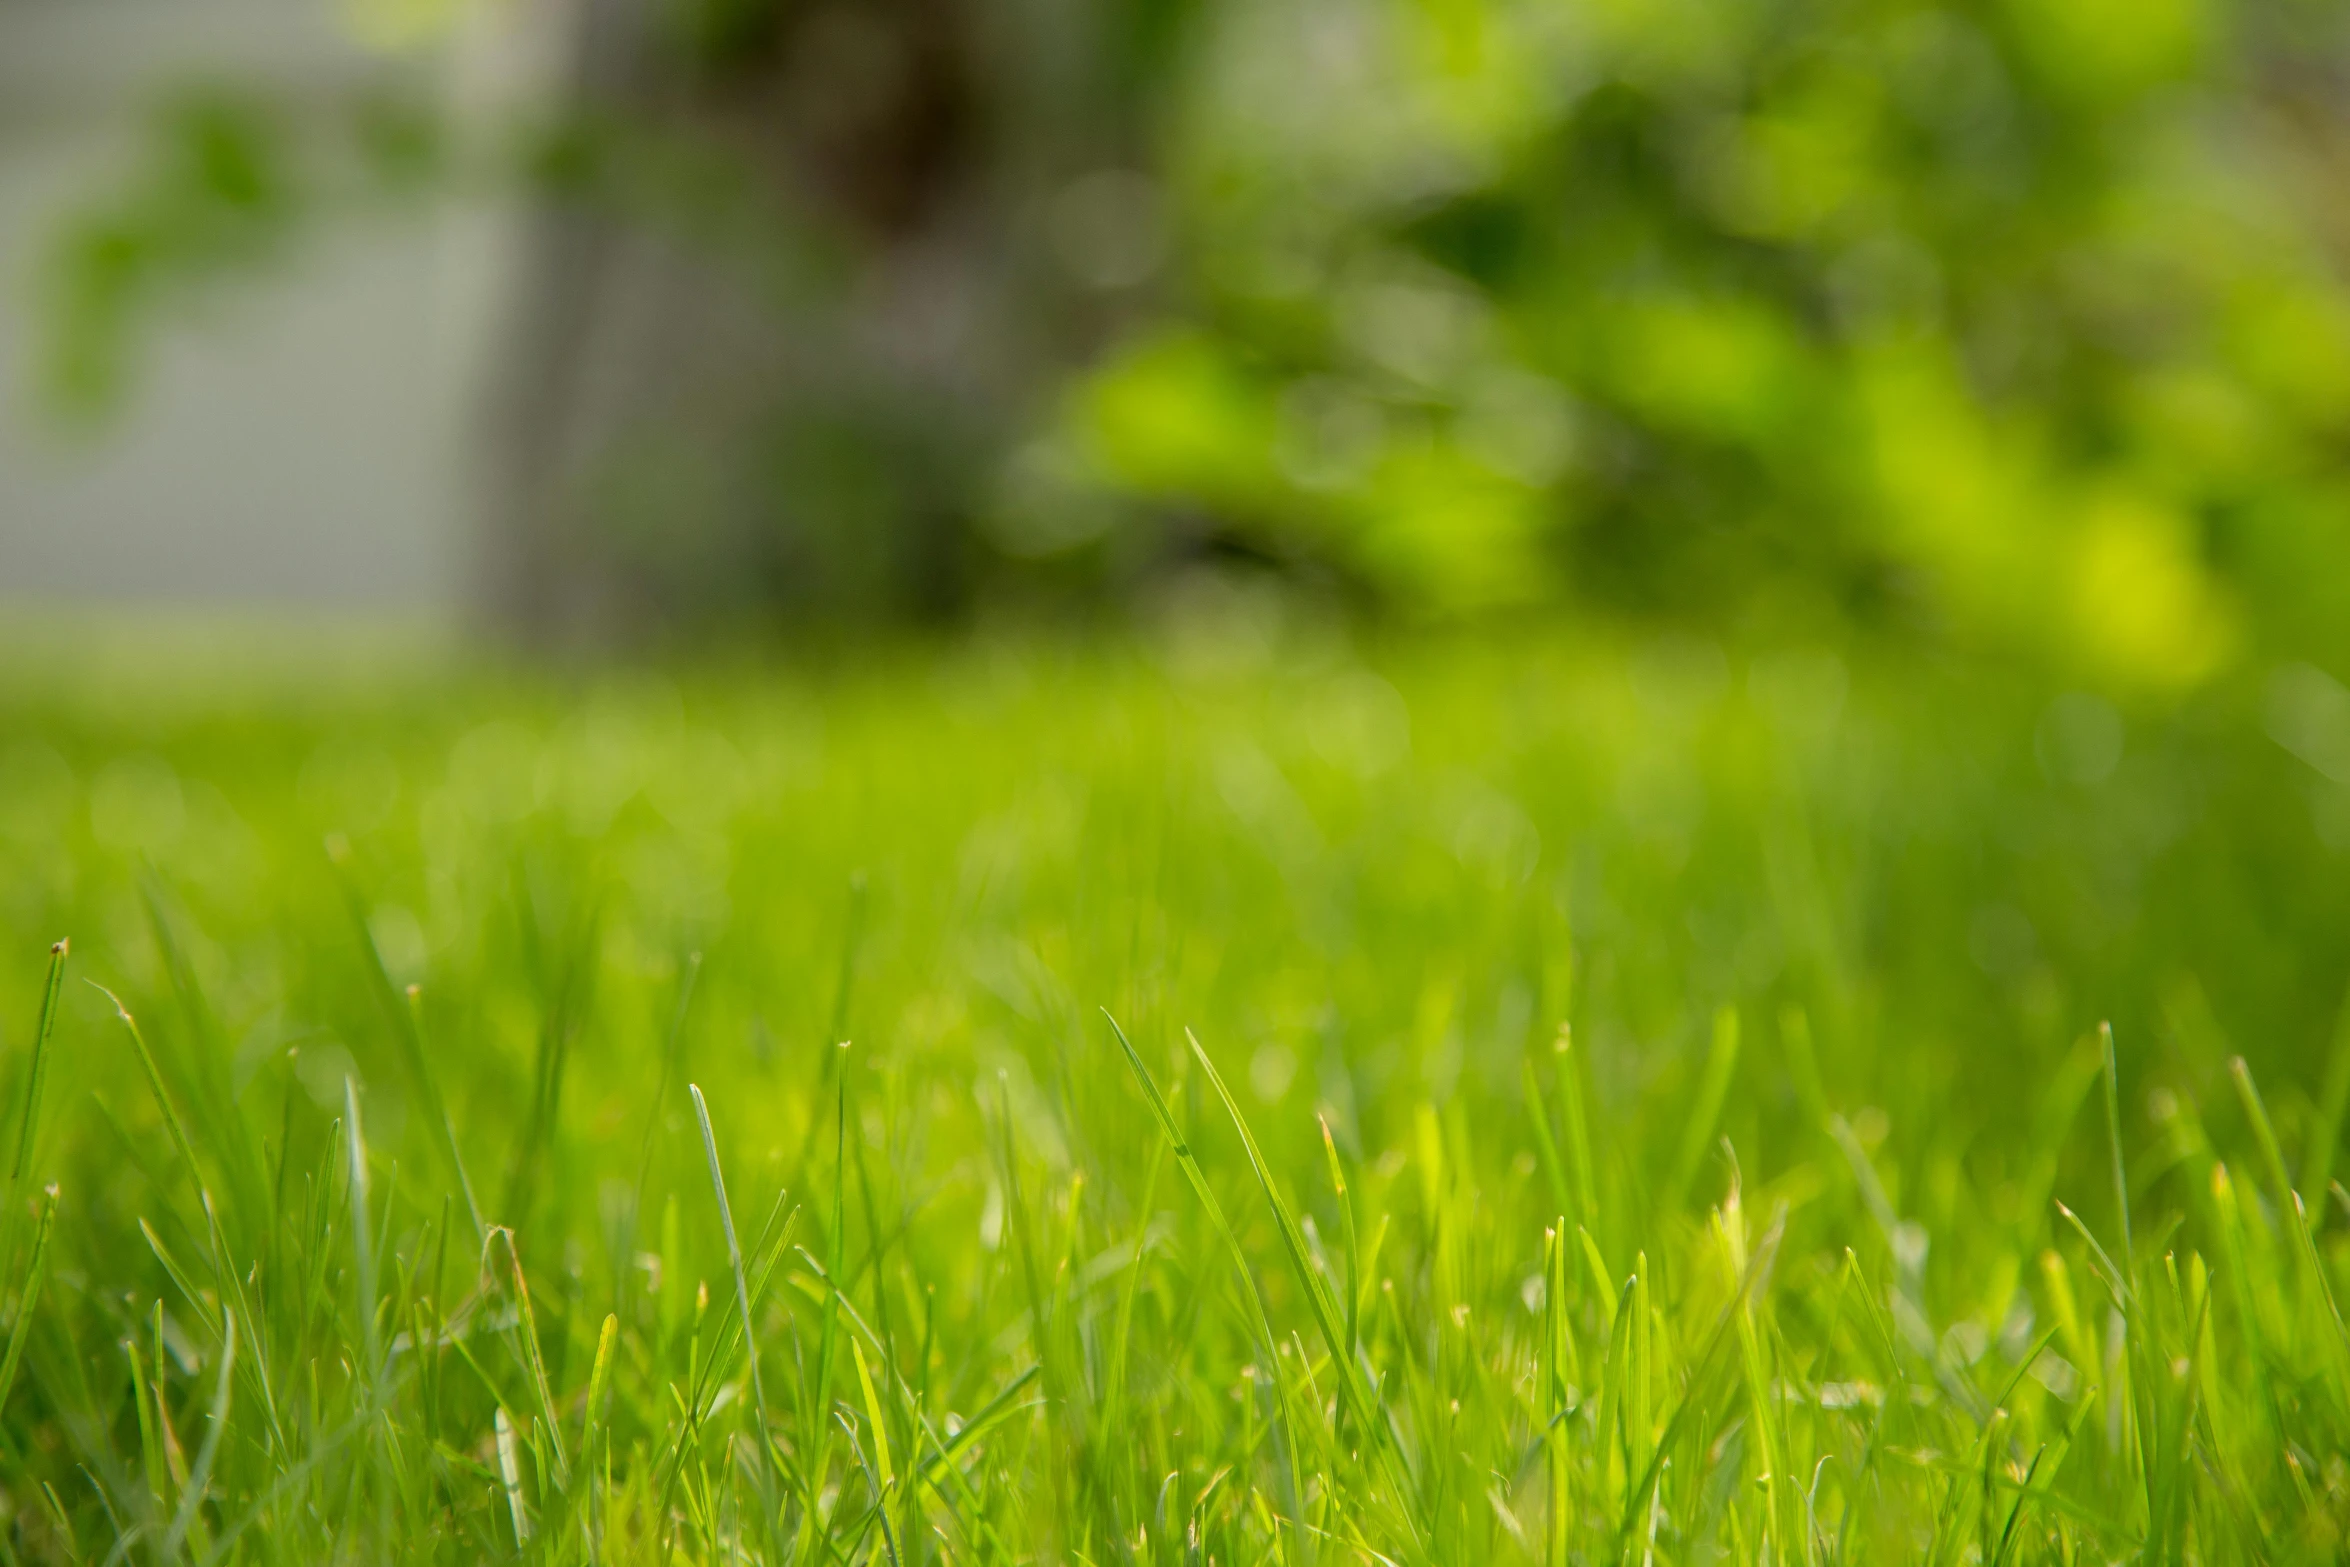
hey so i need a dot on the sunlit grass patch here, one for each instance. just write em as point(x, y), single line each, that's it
point(1562, 1105)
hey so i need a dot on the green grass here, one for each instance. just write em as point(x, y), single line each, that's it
point(1426, 1105)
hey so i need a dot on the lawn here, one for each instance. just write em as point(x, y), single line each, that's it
point(1223, 1099)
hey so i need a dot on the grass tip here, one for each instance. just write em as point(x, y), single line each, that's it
point(60, 947)
point(120, 1010)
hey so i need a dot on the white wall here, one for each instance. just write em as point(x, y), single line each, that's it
point(300, 440)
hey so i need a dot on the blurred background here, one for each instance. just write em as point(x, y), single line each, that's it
point(2015, 329)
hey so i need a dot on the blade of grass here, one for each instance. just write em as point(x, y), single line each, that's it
point(2113, 1134)
point(1577, 1129)
point(534, 1365)
point(444, 1129)
point(171, 1116)
point(510, 1475)
point(205, 1072)
point(28, 1296)
point(362, 1241)
point(2333, 1101)
point(816, 1395)
point(734, 1250)
point(1553, 1402)
point(1705, 1108)
point(199, 1477)
point(1354, 1260)
point(28, 1123)
point(873, 1415)
point(1545, 1145)
point(672, 1047)
point(1121, 1335)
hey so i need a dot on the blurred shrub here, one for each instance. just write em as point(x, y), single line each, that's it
point(2021, 323)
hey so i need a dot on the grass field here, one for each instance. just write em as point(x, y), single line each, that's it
point(1191, 1102)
